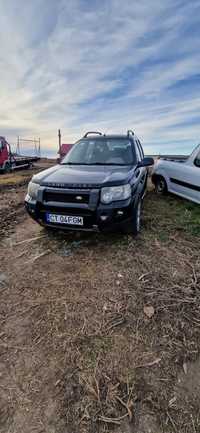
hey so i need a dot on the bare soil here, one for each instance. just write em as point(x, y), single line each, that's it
point(99, 333)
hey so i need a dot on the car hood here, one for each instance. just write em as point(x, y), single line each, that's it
point(84, 175)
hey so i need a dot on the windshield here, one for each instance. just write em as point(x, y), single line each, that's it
point(108, 151)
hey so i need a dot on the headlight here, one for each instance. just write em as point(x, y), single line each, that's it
point(115, 193)
point(33, 189)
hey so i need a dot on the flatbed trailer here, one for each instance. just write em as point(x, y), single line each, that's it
point(12, 161)
point(18, 162)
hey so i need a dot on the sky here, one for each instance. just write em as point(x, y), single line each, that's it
point(108, 65)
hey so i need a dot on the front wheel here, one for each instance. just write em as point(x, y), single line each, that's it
point(134, 226)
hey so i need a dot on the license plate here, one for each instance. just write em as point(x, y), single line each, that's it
point(64, 219)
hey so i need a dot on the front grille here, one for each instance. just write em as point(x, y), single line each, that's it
point(65, 211)
point(63, 197)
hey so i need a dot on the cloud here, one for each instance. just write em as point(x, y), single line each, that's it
point(110, 65)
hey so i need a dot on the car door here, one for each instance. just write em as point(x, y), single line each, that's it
point(184, 178)
point(197, 177)
point(3, 152)
point(141, 172)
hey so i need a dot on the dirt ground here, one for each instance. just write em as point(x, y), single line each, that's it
point(99, 333)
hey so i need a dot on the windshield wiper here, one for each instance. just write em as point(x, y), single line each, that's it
point(94, 163)
point(74, 163)
point(109, 163)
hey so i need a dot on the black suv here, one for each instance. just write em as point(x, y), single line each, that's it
point(99, 185)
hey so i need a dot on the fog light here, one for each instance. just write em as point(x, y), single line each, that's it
point(104, 217)
point(120, 212)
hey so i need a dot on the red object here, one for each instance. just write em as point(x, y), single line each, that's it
point(65, 148)
point(4, 152)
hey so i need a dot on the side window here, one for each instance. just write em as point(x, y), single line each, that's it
point(1, 144)
point(137, 149)
point(141, 149)
point(197, 160)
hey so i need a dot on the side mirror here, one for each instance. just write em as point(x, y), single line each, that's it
point(146, 162)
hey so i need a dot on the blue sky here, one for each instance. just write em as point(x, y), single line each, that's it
point(109, 65)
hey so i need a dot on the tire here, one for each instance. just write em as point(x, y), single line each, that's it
point(160, 185)
point(7, 168)
point(29, 166)
point(134, 226)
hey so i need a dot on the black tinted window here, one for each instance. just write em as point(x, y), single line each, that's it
point(141, 149)
point(138, 153)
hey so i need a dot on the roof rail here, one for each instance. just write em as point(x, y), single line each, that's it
point(130, 132)
point(91, 132)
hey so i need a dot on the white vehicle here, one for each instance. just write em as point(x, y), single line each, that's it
point(181, 177)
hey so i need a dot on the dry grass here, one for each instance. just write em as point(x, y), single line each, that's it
point(81, 352)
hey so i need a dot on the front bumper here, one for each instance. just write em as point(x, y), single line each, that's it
point(96, 216)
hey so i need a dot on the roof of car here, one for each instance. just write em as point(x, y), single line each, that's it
point(109, 136)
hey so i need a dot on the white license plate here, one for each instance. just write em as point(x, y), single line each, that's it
point(64, 219)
